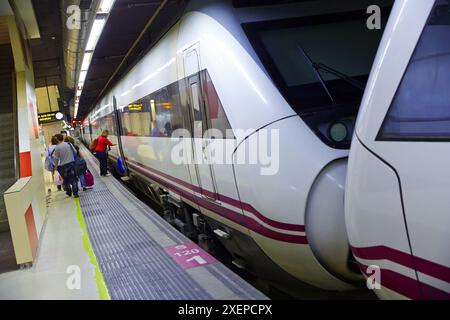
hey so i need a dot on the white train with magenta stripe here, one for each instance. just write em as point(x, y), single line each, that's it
point(288, 80)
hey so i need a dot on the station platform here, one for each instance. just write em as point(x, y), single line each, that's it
point(122, 250)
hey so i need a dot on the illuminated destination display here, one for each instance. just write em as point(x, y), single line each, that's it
point(50, 117)
point(135, 107)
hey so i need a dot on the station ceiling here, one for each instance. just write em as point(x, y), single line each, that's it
point(125, 24)
point(47, 50)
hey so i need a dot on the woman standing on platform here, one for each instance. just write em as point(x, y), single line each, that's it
point(101, 152)
point(50, 163)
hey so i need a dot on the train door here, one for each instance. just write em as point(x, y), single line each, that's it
point(123, 167)
point(198, 117)
point(398, 188)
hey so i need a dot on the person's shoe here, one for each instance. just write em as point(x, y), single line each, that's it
point(76, 196)
point(59, 188)
point(84, 189)
point(68, 194)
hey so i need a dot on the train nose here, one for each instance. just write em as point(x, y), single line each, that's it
point(325, 223)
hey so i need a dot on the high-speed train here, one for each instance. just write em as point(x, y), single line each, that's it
point(285, 82)
point(397, 203)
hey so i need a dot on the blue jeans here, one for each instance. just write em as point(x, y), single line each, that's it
point(82, 181)
point(70, 180)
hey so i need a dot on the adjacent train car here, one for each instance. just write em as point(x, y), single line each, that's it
point(295, 73)
point(397, 203)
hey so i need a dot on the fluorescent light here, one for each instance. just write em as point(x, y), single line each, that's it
point(96, 31)
point(82, 77)
point(105, 6)
point(86, 61)
point(94, 36)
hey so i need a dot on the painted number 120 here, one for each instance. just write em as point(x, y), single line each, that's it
point(187, 252)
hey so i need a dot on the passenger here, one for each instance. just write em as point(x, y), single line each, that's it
point(101, 152)
point(69, 139)
point(50, 162)
point(80, 163)
point(64, 133)
point(168, 129)
point(65, 165)
point(155, 130)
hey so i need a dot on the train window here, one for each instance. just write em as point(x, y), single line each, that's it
point(216, 115)
point(156, 115)
point(136, 118)
point(421, 107)
point(167, 114)
point(110, 124)
point(320, 64)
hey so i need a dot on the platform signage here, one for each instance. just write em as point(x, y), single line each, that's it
point(189, 255)
point(50, 117)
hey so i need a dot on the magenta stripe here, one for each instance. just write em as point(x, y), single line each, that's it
point(223, 198)
point(396, 282)
point(382, 252)
point(407, 286)
point(226, 213)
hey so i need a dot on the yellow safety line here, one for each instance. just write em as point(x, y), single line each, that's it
point(99, 279)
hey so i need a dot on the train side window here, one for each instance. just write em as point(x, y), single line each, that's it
point(215, 113)
point(135, 118)
point(110, 124)
point(420, 110)
point(167, 114)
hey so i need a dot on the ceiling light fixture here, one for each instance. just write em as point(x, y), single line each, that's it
point(97, 28)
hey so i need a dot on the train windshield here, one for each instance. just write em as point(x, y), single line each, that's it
point(318, 62)
point(321, 65)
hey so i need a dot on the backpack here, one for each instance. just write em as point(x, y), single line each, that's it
point(80, 163)
point(49, 161)
point(93, 145)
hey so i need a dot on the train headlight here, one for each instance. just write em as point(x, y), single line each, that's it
point(325, 223)
point(338, 132)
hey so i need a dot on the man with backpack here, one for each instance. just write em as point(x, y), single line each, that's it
point(80, 164)
point(65, 154)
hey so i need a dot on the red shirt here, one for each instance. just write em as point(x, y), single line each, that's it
point(102, 144)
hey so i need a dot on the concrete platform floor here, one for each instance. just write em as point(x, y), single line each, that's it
point(61, 251)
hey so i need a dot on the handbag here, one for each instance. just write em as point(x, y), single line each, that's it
point(120, 166)
point(57, 178)
point(93, 145)
point(88, 179)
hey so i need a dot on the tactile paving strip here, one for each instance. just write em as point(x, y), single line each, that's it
point(134, 265)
